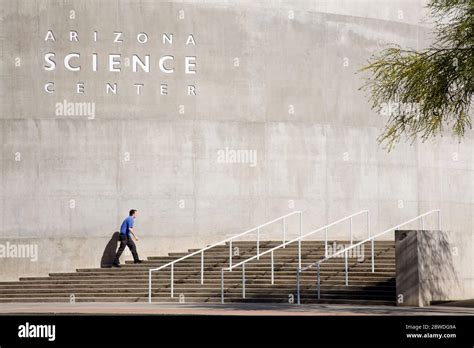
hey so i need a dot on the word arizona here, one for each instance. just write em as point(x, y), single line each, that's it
point(37, 331)
point(119, 37)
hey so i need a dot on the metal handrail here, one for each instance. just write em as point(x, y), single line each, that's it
point(284, 244)
point(230, 239)
point(344, 251)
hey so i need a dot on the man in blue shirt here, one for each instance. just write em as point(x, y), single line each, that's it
point(125, 237)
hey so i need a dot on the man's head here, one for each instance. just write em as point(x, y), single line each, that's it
point(133, 213)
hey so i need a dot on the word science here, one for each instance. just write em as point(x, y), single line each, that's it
point(94, 64)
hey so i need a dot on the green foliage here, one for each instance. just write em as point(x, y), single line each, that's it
point(438, 80)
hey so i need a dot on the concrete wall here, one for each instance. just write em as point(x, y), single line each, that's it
point(278, 78)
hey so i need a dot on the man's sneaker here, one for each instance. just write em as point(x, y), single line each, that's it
point(116, 265)
point(138, 261)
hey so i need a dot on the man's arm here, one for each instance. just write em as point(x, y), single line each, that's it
point(131, 231)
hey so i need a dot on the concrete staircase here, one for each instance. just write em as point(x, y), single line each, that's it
point(130, 282)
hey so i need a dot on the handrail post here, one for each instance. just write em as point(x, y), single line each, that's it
point(373, 263)
point(243, 280)
point(272, 268)
point(284, 232)
point(299, 253)
point(202, 267)
point(368, 224)
point(326, 243)
point(258, 243)
point(230, 255)
point(350, 228)
point(301, 223)
point(319, 281)
point(149, 286)
point(439, 220)
point(172, 280)
point(222, 285)
point(347, 278)
point(298, 285)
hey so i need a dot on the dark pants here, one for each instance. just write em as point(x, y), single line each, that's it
point(126, 240)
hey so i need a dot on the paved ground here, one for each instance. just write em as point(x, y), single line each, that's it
point(227, 309)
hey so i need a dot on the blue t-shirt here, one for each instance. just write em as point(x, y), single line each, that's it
point(126, 224)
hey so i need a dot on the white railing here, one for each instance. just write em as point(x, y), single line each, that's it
point(344, 251)
point(284, 244)
point(228, 240)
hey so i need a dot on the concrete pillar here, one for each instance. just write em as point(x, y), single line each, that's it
point(424, 268)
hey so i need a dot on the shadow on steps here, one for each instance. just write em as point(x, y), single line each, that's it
point(109, 252)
